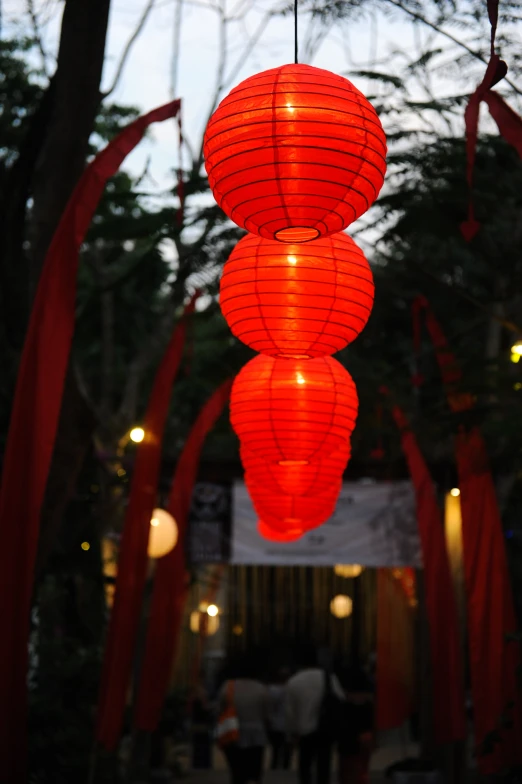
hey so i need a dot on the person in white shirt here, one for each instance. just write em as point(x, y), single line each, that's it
point(305, 702)
point(251, 703)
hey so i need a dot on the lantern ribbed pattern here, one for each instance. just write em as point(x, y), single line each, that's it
point(297, 300)
point(295, 153)
point(273, 535)
point(291, 410)
point(292, 513)
point(310, 479)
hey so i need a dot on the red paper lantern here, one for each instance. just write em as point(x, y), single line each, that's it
point(273, 535)
point(295, 153)
point(293, 411)
point(310, 479)
point(297, 300)
point(290, 513)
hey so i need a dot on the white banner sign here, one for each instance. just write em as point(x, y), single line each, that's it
point(374, 524)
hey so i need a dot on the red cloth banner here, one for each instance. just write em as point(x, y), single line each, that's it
point(395, 653)
point(494, 658)
point(446, 658)
point(132, 561)
point(509, 123)
point(170, 582)
point(32, 432)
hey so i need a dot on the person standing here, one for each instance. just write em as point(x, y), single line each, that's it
point(356, 733)
point(277, 734)
point(251, 704)
point(312, 700)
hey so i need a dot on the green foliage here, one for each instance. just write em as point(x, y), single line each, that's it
point(20, 92)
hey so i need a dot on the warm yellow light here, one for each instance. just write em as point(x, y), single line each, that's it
point(212, 623)
point(290, 107)
point(292, 259)
point(86, 546)
point(137, 434)
point(212, 610)
point(455, 492)
point(516, 348)
point(299, 378)
point(341, 606)
point(237, 630)
point(515, 357)
point(348, 570)
point(163, 534)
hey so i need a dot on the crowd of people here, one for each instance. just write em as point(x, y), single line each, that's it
point(311, 713)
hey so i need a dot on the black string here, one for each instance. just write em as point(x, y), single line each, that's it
point(295, 32)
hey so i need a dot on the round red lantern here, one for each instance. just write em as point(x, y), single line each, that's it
point(309, 479)
point(290, 513)
point(295, 153)
point(273, 535)
point(297, 300)
point(293, 411)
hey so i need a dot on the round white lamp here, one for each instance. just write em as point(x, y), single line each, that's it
point(163, 534)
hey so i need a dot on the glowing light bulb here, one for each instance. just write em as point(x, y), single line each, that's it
point(290, 107)
point(85, 546)
point(299, 378)
point(292, 259)
point(154, 521)
point(516, 348)
point(212, 610)
point(137, 434)
point(455, 492)
point(515, 357)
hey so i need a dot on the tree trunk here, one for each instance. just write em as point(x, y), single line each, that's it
point(76, 103)
point(14, 266)
point(75, 429)
point(61, 161)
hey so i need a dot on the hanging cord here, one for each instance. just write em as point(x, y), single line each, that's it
point(296, 59)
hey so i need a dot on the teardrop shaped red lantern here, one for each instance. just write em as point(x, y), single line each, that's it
point(292, 411)
point(289, 513)
point(297, 300)
point(295, 153)
point(273, 535)
point(310, 479)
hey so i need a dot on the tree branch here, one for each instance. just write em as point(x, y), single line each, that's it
point(130, 43)
point(247, 51)
point(219, 75)
point(176, 46)
point(450, 36)
point(147, 353)
point(36, 33)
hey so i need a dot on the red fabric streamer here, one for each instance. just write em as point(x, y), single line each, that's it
point(132, 561)
point(450, 371)
point(395, 653)
point(494, 660)
point(416, 308)
point(32, 432)
point(170, 582)
point(509, 123)
point(446, 658)
point(181, 184)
